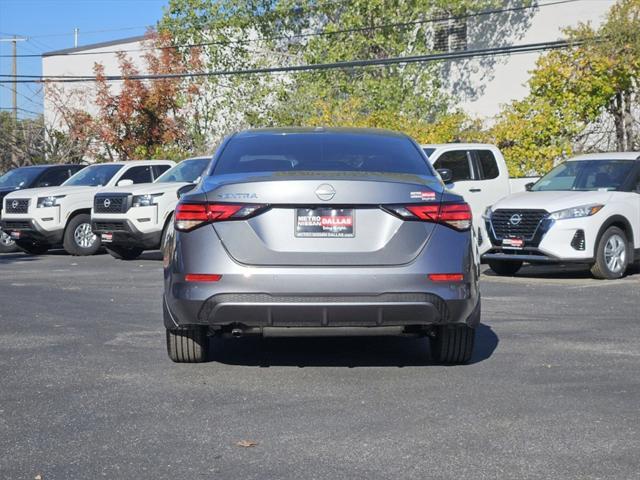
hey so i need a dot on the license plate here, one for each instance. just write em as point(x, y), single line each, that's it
point(325, 222)
point(106, 237)
point(513, 243)
point(15, 235)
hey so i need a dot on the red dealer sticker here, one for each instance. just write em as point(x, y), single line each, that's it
point(324, 222)
point(427, 196)
point(513, 243)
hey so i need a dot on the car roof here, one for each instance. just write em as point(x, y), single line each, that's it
point(320, 130)
point(134, 162)
point(457, 145)
point(607, 156)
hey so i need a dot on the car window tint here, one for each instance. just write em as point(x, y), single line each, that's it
point(456, 161)
point(488, 164)
point(300, 152)
point(159, 170)
point(140, 174)
point(53, 177)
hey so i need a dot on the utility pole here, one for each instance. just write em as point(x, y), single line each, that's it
point(75, 37)
point(14, 73)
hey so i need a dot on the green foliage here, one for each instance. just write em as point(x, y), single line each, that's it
point(570, 89)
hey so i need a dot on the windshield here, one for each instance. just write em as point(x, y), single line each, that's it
point(93, 176)
point(20, 177)
point(186, 171)
point(325, 152)
point(585, 175)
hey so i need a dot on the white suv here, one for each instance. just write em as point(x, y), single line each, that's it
point(40, 218)
point(586, 210)
point(136, 218)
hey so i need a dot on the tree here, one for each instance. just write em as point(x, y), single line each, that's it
point(241, 34)
point(575, 94)
point(146, 118)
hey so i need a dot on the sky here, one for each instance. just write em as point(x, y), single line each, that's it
point(49, 25)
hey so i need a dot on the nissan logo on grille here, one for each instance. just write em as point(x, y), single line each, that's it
point(325, 192)
point(15, 204)
point(515, 219)
point(106, 203)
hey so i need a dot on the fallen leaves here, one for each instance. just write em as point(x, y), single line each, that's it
point(246, 443)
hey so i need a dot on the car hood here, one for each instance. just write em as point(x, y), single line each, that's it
point(53, 191)
point(551, 201)
point(145, 188)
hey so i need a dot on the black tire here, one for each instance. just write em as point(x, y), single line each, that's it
point(452, 344)
point(604, 268)
point(74, 245)
point(7, 244)
point(505, 267)
point(188, 345)
point(32, 248)
point(124, 253)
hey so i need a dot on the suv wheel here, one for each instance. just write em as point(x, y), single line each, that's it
point(7, 244)
point(32, 248)
point(188, 345)
point(612, 255)
point(124, 253)
point(452, 344)
point(504, 267)
point(79, 238)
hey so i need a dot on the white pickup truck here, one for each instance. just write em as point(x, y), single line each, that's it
point(40, 218)
point(479, 173)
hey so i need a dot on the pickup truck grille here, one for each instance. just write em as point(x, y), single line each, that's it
point(10, 225)
point(516, 223)
point(17, 205)
point(111, 203)
point(110, 227)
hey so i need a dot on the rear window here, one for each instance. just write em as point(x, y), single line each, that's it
point(293, 152)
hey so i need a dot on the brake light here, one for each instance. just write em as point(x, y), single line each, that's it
point(192, 215)
point(454, 215)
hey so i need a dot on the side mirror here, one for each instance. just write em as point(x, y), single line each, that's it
point(185, 189)
point(124, 183)
point(529, 185)
point(445, 174)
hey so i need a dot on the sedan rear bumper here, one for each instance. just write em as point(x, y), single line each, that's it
point(262, 311)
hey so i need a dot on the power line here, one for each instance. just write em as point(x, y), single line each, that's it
point(325, 33)
point(481, 52)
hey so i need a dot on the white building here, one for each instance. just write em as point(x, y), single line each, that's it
point(480, 84)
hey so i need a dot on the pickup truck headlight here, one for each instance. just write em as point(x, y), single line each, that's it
point(145, 200)
point(44, 202)
point(576, 212)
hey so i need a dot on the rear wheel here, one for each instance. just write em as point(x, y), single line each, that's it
point(32, 248)
point(124, 253)
point(452, 344)
point(188, 345)
point(612, 255)
point(79, 238)
point(505, 267)
point(7, 244)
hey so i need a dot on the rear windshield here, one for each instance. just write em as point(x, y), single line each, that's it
point(300, 152)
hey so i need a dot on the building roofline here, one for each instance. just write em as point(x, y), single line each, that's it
point(94, 46)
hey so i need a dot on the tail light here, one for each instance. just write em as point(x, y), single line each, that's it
point(189, 216)
point(454, 215)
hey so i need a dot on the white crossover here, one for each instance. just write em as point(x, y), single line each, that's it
point(132, 219)
point(41, 218)
point(586, 210)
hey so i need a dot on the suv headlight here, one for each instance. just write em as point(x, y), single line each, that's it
point(576, 212)
point(44, 202)
point(145, 200)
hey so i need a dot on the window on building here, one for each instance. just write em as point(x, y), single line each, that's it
point(450, 35)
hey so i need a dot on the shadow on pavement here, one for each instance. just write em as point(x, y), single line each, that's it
point(339, 351)
point(557, 271)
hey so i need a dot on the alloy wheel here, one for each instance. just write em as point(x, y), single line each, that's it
point(6, 240)
point(615, 253)
point(84, 236)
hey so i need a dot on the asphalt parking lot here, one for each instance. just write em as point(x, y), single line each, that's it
point(87, 390)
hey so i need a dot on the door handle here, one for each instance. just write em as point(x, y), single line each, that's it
point(474, 190)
